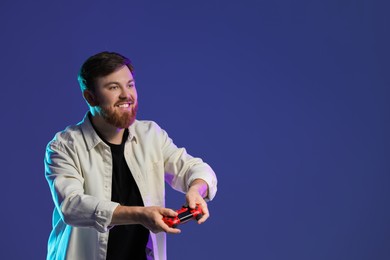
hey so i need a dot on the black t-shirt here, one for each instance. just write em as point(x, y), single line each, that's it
point(125, 241)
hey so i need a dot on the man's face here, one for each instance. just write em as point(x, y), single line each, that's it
point(116, 98)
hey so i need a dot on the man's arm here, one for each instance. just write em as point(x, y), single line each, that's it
point(66, 185)
point(188, 174)
point(200, 186)
point(182, 171)
point(150, 217)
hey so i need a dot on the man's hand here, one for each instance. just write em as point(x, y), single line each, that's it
point(196, 193)
point(150, 217)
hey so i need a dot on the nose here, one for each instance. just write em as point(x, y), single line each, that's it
point(125, 93)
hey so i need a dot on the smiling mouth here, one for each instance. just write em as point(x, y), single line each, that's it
point(124, 105)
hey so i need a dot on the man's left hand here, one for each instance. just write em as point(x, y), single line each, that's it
point(195, 196)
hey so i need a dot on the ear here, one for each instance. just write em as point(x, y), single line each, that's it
point(89, 97)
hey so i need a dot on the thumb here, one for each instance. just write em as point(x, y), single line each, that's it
point(168, 212)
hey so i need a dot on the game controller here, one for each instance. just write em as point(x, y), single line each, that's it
point(185, 214)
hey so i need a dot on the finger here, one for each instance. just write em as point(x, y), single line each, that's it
point(173, 230)
point(168, 229)
point(168, 212)
point(206, 213)
point(192, 198)
point(191, 203)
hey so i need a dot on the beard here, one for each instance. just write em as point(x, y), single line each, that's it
point(118, 119)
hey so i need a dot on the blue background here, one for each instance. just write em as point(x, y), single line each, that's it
point(287, 100)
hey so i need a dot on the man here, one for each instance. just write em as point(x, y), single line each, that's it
point(107, 173)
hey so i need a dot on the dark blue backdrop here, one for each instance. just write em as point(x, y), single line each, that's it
point(287, 100)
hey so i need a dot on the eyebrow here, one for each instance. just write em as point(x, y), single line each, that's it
point(117, 83)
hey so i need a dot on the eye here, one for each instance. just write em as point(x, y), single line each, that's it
point(131, 85)
point(112, 87)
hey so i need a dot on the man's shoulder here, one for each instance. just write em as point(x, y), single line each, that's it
point(145, 124)
point(68, 135)
point(143, 127)
point(71, 131)
point(74, 131)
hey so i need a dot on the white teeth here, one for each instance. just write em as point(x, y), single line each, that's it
point(124, 105)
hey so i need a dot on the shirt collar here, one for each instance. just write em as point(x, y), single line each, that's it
point(92, 138)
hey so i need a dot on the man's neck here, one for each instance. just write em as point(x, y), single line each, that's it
point(109, 132)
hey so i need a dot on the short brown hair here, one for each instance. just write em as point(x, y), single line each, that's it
point(100, 65)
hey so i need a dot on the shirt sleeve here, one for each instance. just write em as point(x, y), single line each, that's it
point(66, 185)
point(181, 169)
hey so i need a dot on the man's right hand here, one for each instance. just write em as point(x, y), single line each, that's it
point(150, 217)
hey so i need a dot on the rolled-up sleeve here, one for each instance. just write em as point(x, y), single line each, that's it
point(66, 182)
point(181, 169)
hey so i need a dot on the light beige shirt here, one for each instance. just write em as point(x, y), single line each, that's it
point(78, 168)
